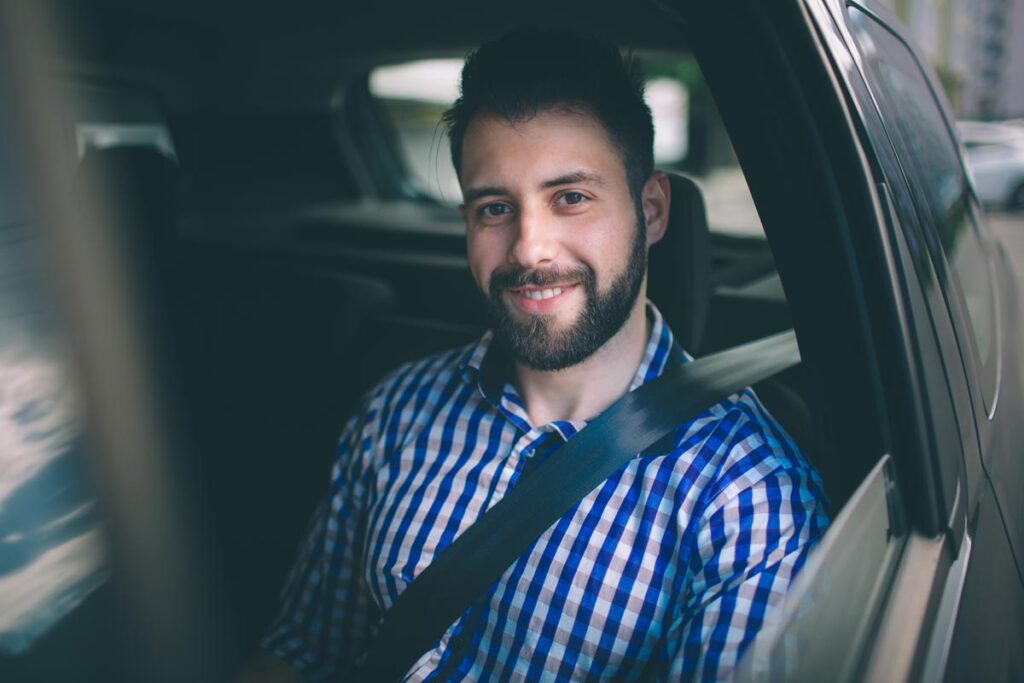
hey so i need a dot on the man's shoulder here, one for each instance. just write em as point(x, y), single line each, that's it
point(739, 444)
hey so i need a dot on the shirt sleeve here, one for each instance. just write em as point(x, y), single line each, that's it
point(748, 549)
point(326, 616)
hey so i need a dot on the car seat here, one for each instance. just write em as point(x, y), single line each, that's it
point(679, 266)
point(680, 284)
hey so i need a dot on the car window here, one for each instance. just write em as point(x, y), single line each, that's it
point(932, 159)
point(688, 133)
point(52, 552)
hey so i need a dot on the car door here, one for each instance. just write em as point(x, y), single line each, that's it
point(899, 622)
point(966, 316)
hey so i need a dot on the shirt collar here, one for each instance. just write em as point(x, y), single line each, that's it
point(487, 365)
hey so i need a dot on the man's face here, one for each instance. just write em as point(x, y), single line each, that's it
point(554, 238)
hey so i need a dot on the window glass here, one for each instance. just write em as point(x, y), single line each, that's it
point(688, 133)
point(932, 162)
point(415, 95)
point(52, 554)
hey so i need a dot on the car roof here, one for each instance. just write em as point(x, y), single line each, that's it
point(237, 56)
point(222, 40)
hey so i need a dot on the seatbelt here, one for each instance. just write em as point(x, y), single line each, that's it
point(464, 570)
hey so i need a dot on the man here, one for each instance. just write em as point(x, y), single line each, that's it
point(669, 566)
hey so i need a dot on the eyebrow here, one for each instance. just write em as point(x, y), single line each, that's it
point(572, 178)
point(475, 193)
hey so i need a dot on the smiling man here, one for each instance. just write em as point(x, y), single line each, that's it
point(557, 242)
point(665, 570)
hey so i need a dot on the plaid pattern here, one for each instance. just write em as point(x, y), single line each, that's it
point(664, 571)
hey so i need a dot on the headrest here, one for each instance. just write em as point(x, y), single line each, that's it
point(679, 267)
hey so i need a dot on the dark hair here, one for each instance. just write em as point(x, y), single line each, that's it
point(530, 70)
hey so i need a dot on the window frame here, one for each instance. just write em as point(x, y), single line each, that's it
point(961, 374)
point(985, 381)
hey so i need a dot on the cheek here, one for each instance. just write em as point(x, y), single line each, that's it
point(609, 251)
point(483, 259)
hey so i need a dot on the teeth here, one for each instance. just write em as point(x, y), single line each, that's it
point(537, 295)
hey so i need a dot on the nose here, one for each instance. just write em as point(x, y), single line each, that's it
point(535, 241)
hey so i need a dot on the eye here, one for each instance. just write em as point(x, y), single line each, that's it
point(494, 210)
point(573, 198)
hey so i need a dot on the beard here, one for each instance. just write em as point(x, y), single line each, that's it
point(536, 341)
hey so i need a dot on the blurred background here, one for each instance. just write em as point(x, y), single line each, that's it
point(977, 49)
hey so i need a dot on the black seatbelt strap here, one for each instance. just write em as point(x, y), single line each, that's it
point(464, 570)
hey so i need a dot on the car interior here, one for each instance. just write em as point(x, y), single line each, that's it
point(263, 186)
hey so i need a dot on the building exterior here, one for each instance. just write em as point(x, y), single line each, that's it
point(977, 47)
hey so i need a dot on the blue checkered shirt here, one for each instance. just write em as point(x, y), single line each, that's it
point(664, 571)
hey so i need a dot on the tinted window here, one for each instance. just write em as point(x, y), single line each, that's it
point(931, 161)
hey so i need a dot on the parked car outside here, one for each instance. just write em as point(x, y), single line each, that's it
point(995, 158)
point(211, 244)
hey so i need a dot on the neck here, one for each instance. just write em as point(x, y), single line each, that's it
point(586, 389)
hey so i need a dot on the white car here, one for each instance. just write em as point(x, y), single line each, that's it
point(995, 156)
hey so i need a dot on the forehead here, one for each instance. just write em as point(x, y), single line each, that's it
point(495, 149)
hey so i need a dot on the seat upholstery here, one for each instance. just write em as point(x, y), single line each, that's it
point(679, 270)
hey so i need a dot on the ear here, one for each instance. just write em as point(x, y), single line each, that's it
point(656, 197)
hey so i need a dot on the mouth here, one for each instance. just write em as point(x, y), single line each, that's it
point(541, 293)
point(541, 299)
